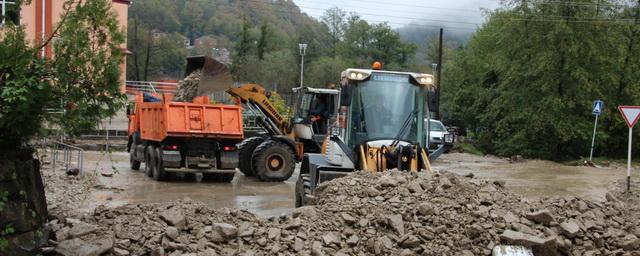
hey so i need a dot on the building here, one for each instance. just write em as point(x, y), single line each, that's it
point(39, 18)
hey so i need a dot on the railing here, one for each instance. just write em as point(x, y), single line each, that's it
point(151, 87)
point(68, 154)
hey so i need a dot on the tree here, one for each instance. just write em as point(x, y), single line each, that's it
point(334, 20)
point(263, 41)
point(242, 50)
point(528, 84)
point(82, 79)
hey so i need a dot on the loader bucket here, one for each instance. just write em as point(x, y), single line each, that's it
point(215, 75)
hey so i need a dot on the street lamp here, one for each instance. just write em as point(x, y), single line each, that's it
point(303, 49)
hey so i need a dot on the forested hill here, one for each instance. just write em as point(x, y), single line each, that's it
point(220, 18)
point(158, 28)
point(259, 39)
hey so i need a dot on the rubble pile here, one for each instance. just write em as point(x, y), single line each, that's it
point(188, 87)
point(66, 192)
point(392, 213)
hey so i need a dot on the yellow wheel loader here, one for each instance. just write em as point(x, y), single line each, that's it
point(272, 156)
point(383, 124)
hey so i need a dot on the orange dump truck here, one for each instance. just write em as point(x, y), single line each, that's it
point(188, 137)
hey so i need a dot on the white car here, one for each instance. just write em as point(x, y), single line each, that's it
point(438, 132)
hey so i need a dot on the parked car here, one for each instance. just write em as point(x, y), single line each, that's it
point(437, 134)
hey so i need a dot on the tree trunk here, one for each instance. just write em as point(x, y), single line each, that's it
point(146, 62)
point(24, 207)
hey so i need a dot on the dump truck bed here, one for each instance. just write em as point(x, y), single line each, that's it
point(197, 119)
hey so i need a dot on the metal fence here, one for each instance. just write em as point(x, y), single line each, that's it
point(71, 156)
point(152, 87)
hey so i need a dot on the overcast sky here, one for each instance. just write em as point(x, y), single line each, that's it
point(463, 14)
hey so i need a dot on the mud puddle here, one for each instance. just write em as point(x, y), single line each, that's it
point(128, 186)
point(536, 178)
point(531, 178)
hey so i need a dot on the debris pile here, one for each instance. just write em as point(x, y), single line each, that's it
point(65, 191)
point(188, 87)
point(392, 213)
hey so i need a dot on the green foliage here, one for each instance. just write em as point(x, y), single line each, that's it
point(24, 89)
point(527, 86)
point(82, 79)
point(279, 103)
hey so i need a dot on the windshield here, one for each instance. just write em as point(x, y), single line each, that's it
point(380, 107)
point(436, 126)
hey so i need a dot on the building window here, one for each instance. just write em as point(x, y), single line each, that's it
point(9, 12)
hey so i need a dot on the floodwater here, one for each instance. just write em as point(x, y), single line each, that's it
point(531, 178)
point(536, 178)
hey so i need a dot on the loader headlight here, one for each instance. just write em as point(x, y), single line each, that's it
point(424, 79)
point(358, 76)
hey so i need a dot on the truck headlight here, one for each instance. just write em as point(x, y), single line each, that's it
point(424, 79)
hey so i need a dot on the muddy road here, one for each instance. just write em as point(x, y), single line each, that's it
point(531, 178)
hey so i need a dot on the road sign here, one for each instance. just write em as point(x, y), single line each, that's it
point(630, 115)
point(598, 105)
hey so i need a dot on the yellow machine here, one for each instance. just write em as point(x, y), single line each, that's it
point(383, 125)
point(272, 157)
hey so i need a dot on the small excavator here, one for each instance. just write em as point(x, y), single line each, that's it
point(383, 124)
point(272, 156)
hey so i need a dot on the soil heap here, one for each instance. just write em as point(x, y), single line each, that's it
point(391, 213)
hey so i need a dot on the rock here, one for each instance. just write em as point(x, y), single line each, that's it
point(298, 245)
point(396, 223)
point(316, 249)
point(500, 183)
point(81, 228)
point(509, 217)
point(570, 229)
point(469, 175)
point(295, 223)
point(171, 232)
point(174, 218)
point(387, 181)
point(330, 239)
point(348, 218)
point(630, 243)
point(353, 240)
point(538, 244)
point(542, 217)
point(410, 242)
point(227, 231)
point(120, 252)
point(159, 251)
point(445, 183)
point(79, 247)
point(306, 211)
point(425, 209)
point(273, 233)
point(262, 241)
point(414, 187)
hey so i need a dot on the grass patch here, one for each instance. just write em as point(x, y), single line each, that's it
point(466, 147)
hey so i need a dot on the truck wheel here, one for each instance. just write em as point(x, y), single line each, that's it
point(303, 188)
point(148, 161)
point(273, 161)
point(246, 148)
point(158, 171)
point(135, 164)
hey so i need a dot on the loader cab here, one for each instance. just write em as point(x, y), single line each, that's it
point(381, 107)
point(314, 110)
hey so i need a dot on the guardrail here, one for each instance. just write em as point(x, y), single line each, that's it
point(152, 87)
point(68, 154)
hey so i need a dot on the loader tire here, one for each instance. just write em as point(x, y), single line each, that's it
point(303, 188)
point(273, 161)
point(246, 148)
point(148, 161)
point(135, 164)
point(158, 172)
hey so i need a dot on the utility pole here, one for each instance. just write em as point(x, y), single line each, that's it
point(439, 76)
point(303, 49)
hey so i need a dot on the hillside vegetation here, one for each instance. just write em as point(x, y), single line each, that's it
point(262, 37)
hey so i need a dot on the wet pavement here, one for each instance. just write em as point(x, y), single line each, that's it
point(531, 178)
